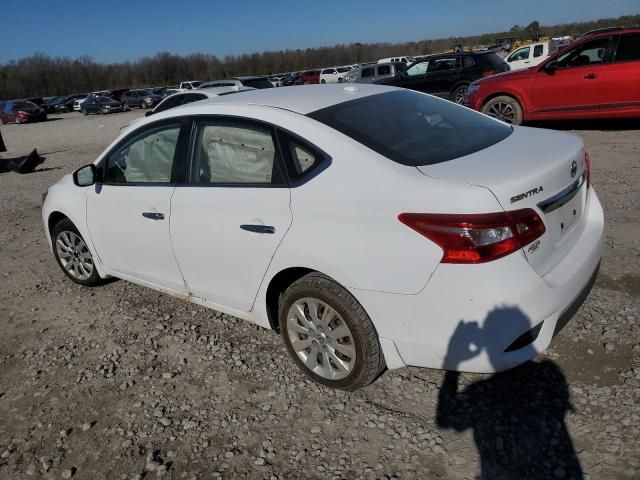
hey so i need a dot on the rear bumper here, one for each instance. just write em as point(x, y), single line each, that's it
point(469, 317)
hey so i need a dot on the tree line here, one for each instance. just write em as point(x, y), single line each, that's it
point(42, 75)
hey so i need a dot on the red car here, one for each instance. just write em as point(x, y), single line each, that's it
point(21, 111)
point(598, 76)
point(309, 77)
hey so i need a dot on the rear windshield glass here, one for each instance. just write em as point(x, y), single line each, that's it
point(493, 59)
point(412, 128)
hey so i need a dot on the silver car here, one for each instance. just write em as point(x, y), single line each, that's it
point(374, 72)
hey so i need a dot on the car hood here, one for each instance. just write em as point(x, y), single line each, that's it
point(511, 75)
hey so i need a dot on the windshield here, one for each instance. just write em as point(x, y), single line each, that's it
point(418, 68)
point(257, 83)
point(143, 92)
point(23, 104)
point(343, 69)
point(412, 128)
point(196, 84)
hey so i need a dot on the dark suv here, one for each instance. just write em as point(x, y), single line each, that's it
point(448, 75)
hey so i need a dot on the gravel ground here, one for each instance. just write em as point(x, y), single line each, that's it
point(121, 382)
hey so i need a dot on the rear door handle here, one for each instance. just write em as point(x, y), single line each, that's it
point(153, 215)
point(591, 76)
point(258, 228)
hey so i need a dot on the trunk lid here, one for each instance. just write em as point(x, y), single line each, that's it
point(532, 168)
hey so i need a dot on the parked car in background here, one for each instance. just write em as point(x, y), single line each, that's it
point(189, 85)
point(21, 111)
point(249, 81)
point(375, 72)
point(333, 75)
point(528, 56)
point(101, 105)
point(53, 104)
point(67, 105)
point(276, 81)
point(116, 94)
point(448, 75)
point(290, 79)
point(140, 98)
point(407, 59)
point(308, 78)
point(595, 77)
point(445, 270)
point(182, 98)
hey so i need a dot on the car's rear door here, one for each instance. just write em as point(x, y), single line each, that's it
point(128, 213)
point(619, 82)
point(229, 218)
point(442, 74)
point(572, 88)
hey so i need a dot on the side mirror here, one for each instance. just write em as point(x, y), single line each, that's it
point(86, 176)
point(551, 67)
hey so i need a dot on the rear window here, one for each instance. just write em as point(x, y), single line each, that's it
point(412, 128)
point(493, 60)
point(257, 83)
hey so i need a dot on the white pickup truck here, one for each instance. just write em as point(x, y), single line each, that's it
point(528, 56)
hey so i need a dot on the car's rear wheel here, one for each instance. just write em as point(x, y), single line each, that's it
point(85, 112)
point(73, 255)
point(458, 94)
point(328, 333)
point(323, 81)
point(504, 108)
point(143, 106)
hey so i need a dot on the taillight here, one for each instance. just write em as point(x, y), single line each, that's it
point(477, 238)
point(488, 73)
point(587, 163)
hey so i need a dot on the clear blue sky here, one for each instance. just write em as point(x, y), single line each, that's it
point(115, 30)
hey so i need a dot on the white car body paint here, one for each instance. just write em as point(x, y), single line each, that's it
point(528, 56)
point(343, 223)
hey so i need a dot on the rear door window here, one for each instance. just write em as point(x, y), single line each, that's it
point(234, 152)
point(384, 70)
point(628, 48)
point(413, 129)
point(538, 50)
point(367, 72)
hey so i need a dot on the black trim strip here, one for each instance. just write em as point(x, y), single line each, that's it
point(563, 197)
point(571, 310)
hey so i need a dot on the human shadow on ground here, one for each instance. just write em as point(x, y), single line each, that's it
point(518, 416)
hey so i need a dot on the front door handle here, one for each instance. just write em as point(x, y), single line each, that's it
point(258, 228)
point(153, 215)
point(591, 76)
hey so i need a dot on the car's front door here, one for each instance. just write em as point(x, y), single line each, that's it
point(128, 213)
point(227, 222)
point(572, 87)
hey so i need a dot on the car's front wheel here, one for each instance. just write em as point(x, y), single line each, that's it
point(504, 108)
point(328, 334)
point(73, 255)
point(458, 94)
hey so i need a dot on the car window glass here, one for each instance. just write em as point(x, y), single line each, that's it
point(442, 65)
point(170, 103)
point(418, 69)
point(234, 153)
point(538, 50)
point(411, 128)
point(468, 62)
point(384, 69)
point(147, 158)
point(303, 158)
point(589, 53)
point(628, 48)
point(522, 54)
point(367, 72)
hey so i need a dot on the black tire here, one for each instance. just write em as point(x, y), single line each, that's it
point(323, 81)
point(493, 106)
point(143, 106)
point(369, 363)
point(85, 112)
point(457, 95)
point(66, 225)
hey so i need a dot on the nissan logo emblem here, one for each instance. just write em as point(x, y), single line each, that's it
point(574, 168)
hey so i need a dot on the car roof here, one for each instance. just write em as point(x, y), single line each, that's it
point(302, 99)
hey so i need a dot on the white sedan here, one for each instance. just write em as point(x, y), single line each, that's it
point(372, 226)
